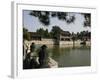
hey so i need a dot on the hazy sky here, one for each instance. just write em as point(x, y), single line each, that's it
point(32, 23)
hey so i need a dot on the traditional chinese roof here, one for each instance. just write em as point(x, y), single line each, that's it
point(65, 33)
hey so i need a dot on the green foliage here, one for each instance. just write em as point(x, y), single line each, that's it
point(43, 33)
point(55, 32)
point(61, 15)
point(87, 17)
point(44, 16)
point(84, 34)
point(26, 35)
point(73, 36)
point(46, 33)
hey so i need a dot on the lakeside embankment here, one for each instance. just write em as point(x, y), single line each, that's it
point(50, 43)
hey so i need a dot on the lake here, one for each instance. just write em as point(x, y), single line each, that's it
point(71, 57)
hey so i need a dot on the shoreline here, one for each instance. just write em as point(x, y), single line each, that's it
point(62, 44)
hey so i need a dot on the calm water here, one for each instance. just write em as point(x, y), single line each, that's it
point(69, 57)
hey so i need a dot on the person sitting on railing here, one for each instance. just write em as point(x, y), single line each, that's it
point(32, 47)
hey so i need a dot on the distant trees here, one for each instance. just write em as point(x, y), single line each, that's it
point(55, 34)
point(40, 32)
point(43, 33)
point(73, 38)
point(45, 16)
point(26, 35)
point(84, 35)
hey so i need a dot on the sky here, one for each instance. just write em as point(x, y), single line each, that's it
point(32, 23)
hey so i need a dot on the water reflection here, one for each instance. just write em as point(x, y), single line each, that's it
point(69, 56)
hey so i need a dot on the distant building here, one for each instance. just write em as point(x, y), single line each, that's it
point(86, 38)
point(35, 36)
point(65, 36)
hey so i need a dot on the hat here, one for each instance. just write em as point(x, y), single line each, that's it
point(43, 46)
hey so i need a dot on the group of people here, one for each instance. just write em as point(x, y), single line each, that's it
point(39, 61)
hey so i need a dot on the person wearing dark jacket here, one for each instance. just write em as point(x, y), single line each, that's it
point(43, 56)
